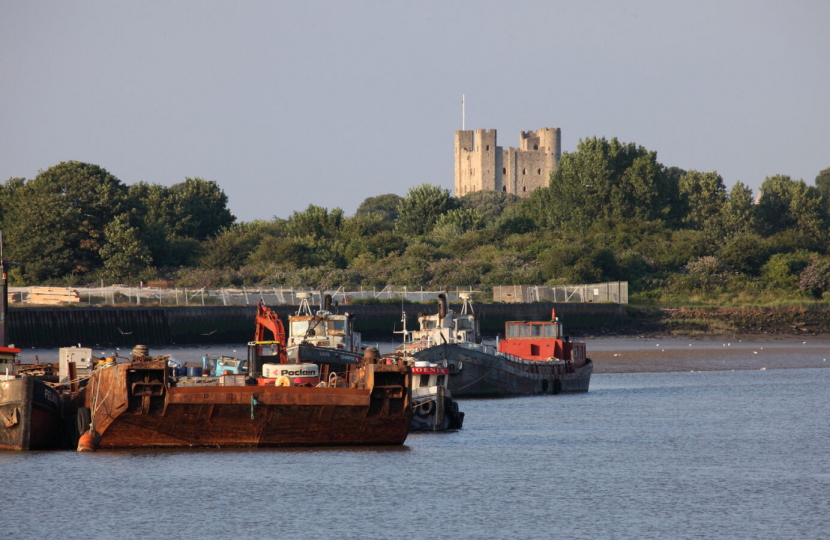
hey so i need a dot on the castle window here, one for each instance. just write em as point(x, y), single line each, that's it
point(504, 188)
point(524, 188)
point(504, 170)
point(538, 171)
point(535, 146)
point(488, 148)
point(524, 171)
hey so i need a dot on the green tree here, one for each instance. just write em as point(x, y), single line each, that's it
point(736, 215)
point(123, 253)
point(490, 204)
point(383, 206)
point(7, 192)
point(605, 179)
point(421, 208)
point(231, 247)
point(174, 218)
point(317, 222)
point(703, 195)
point(55, 223)
point(823, 185)
point(464, 219)
point(788, 204)
point(197, 208)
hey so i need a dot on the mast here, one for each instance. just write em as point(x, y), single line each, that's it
point(4, 303)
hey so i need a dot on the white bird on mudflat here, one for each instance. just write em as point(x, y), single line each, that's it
point(763, 369)
point(754, 352)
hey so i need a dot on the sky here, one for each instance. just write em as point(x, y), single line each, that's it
point(286, 104)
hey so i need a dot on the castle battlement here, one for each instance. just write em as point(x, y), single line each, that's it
point(480, 164)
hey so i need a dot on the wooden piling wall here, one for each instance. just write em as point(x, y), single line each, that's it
point(66, 326)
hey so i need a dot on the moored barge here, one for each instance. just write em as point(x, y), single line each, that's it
point(135, 405)
point(478, 370)
point(31, 411)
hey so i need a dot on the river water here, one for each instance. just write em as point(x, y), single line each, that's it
point(718, 454)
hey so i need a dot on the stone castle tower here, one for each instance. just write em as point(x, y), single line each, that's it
point(480, 164)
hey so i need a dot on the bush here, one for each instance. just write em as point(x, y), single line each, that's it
point(815, 279)
point(745, 253)
point(784, 269)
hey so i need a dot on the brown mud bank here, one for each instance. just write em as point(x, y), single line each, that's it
point(723, 321)
point(648, 355)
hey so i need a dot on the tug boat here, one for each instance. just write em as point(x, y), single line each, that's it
point(433, 406)
point(536, 358)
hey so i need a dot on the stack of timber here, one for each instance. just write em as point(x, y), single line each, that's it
point(52, 295)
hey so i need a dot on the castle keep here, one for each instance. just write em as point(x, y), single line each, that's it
point(480, 164)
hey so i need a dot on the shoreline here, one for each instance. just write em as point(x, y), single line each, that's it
point(611, 354)
point(660, 354)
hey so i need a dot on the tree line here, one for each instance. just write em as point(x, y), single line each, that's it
point(611, 211)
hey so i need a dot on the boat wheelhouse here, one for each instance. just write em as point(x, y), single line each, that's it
point(541, 340)
point(445, 327)
point(322, 328)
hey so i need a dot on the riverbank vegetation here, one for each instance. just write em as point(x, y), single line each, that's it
point(611, 212)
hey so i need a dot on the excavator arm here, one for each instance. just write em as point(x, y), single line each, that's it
point(267, 322)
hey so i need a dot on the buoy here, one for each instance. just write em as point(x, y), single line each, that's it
point(89, 441)
point(283, 381)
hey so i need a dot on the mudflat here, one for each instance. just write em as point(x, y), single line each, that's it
point(663, 354)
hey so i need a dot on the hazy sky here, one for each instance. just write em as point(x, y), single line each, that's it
point(290, 103)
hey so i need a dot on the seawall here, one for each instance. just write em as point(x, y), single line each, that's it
point(66, 326)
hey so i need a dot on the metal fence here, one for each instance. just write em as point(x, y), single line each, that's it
point(612, 291)
point(120, 295)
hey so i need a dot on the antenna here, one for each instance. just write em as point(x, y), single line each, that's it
point(462, 112)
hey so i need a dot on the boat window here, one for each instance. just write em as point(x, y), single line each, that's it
point(512, 330)
point(299, 328)
point(424, 381)
point(428, 324)
point(337, 326)
point(464, 324)
point(550, 330)
point(524, 330)
point(537, 330)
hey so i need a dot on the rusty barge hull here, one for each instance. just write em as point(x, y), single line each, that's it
point(142, 412)
point(488, 375)
point(30, 415)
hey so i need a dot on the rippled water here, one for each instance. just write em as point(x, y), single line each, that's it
point(742, 454)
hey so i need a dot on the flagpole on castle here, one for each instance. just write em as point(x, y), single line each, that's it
point(462, 112)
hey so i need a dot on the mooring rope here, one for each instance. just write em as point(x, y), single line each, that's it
point(475, 381)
